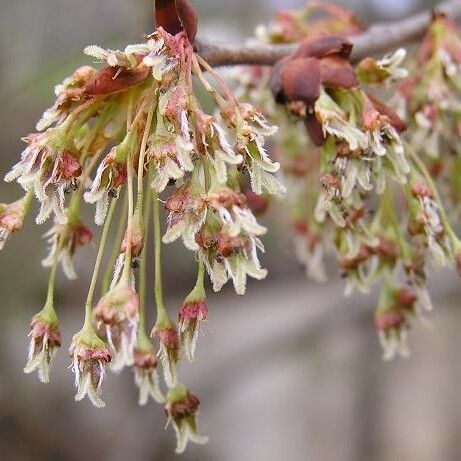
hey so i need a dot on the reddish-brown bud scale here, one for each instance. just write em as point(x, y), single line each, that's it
point(176, 16)
point(386, 111)
point(314, 129)
point(321, 47)
point(337, 73)
point(301, 80)
point(114, 79)
point(354, 215)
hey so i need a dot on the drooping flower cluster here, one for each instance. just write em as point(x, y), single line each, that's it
point(134, 130)
point(129, 129)
point(357, 190)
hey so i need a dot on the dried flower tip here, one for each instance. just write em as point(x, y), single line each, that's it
point(110, 175)
point(66, 239)
point(397, 306)
point(181, 409)
point(117, 318)
point(168, 352)
point(12, 218)
point(90, 357)
point(45, 338)
point(191, 315)
point(146, 376)
point(392, 332)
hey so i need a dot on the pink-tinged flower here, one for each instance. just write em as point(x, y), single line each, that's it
point(90, 358)
point(251, 128)
point(171, 154)
point(426, 221)
point(181, 409)
point(310, 250)
point(68, 94)
point(232, 211)
point(226, 257)
point(117, 318)
point(110, 175)
point(49, 167)
point(45, 338)
point(146, 376)
point(12, 217)
point(191, 315)
point(187, 214)
point(396, 309)
point(168, 351)
point(214, 142)
point(66, 239)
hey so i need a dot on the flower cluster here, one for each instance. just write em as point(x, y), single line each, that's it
point(357, 188)
point(430, 101)
point(129, 129)
point(132, 132)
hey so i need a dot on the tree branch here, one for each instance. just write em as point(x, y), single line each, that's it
point(378, 38)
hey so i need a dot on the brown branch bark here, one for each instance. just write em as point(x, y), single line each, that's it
point(377, 39)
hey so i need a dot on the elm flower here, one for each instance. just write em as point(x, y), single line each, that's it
point(68, 93)
point(395, 310)
point(110, 175)
point(145, 372)
point(65, 239)
point(192, 313)
point(227, 257)
point(386, 69)
point(171, 155)
point(117, 317)
point(181, 409)
point(187, 214)
point(167, 335)
point(49, 167)
point(426, 221)
point(90, 358)
point(45, 338)
point(215, 143)
point(251, 128)
point(12, 217)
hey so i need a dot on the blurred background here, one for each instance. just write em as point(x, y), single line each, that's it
point(291, 371)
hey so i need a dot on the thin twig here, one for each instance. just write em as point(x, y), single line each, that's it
point(377, 39)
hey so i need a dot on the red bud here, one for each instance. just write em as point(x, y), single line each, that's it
point(113, 79)
point(176, 16)
point(321, 47)
point(338, 73)
point(301, 80)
